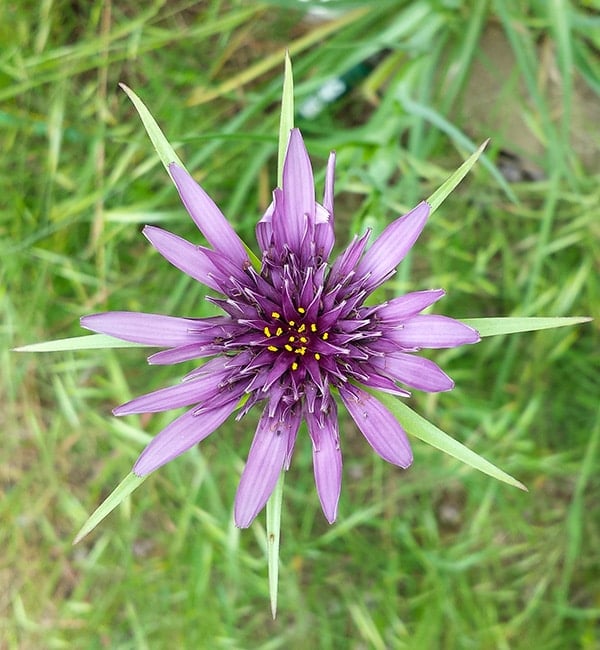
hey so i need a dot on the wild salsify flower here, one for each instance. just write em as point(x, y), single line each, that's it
point(292, 335)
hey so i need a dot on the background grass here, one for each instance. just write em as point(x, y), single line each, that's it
point(435, 557)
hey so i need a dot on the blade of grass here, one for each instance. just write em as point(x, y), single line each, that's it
point(315, 35)
point(435, 118)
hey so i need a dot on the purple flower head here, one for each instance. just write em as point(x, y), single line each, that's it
point(291, 335)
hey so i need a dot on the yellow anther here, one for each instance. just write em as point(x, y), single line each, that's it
point(313, 327)
point(301, 310)
point(317, 356)
point(267, 331)
point(301, 351)
point(292, 323)
point(275, 314)
point(289, 348)
point(272, 348)
point(302, 328)
point(278, 331)
point(294, 366)
point(303, 339)
point(292, 338)
point(325, 335)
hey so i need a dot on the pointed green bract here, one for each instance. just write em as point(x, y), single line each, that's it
point(87, 342)
point(496, 326)
point(273, 537)
point(165, 150)
point(121, 492)
point(448, 186)
point(421, 428)
point(286, 122)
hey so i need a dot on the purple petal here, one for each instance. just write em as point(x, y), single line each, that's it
point(346, 261)
point(327, 460)
point(381, 429)
point(264, 228)
point(408, 305)
point(184, 255)
point(415, 371)
point(183, 353)
point(433, 331)
point(182, 434)
point(147, 329)
point(298, 189)
point(208, 217)
point(390, 248)
point(194, 391)
point(265, 463)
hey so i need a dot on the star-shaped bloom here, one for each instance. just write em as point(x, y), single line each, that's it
point(292, 336)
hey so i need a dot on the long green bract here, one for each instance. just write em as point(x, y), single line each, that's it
point(421, 428)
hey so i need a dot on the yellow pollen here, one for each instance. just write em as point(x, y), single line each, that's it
point(292, 323)
point(292, 338)
point(303, 339)
point(289, 348)
point(302, 328)
point(272, 348)
point(313, 327)
point(325, 336)
point(317, 356)
point(301, 310)
point(301, 351)
point(275, 314)
point(294, 366)
point(267, 331)
point(278, 331)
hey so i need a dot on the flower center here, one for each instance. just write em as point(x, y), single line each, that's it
point(292, 336)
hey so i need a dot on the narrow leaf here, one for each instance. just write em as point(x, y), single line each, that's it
point(421, 428)
point(448, 186)
point(165, 150)
point(273, 537)
point(88, 342)
point(121, 492)
point(495, 326)
point(286, 121)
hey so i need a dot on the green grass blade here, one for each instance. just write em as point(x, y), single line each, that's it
point(448, 186)
point(457, 135)
point(165, 150)
point(273, 537)
point(121, 492)
point(88, 342)
point(496, 326)
point(421, 428)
